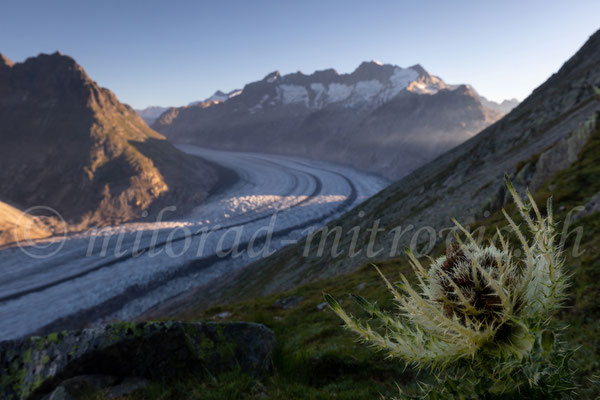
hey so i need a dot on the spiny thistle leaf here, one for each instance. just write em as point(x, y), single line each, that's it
point(333, 304)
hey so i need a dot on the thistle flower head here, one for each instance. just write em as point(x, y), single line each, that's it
point(473, 301)
point(458, 285)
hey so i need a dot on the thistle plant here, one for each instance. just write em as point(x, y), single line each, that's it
point(479, 317)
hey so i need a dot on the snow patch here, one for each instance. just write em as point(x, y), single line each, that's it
point(365, 91)
point(338, 92)
point(291, 94)
point(218, 96)
point(319, 91)
point(402, 77)
point(399, 80)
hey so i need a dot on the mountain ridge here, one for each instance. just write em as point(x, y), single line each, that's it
point(330, 116)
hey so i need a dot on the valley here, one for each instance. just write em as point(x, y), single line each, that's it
point(119, 272)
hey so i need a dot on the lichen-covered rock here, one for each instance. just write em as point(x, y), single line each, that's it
point(34, 366)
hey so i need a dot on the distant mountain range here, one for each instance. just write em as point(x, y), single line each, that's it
point(151, 114)
point(505, 107)
point(68, 144)
point(380, 118)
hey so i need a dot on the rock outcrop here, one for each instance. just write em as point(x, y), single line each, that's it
point(108, 356)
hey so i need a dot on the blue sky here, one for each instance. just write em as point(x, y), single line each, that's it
point(172, 53)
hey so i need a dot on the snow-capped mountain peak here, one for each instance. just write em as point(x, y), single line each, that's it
point(272, 77)
point(220, 96)
point(370, 85)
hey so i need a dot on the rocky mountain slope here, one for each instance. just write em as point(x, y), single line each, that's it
point(68, 144)
point(543, 135)
point(379, 118)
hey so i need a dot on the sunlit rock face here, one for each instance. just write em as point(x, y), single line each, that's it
point(380, 118)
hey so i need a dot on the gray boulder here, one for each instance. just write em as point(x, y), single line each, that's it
point(31, 367)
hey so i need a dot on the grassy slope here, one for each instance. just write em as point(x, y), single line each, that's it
point(319, 360)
